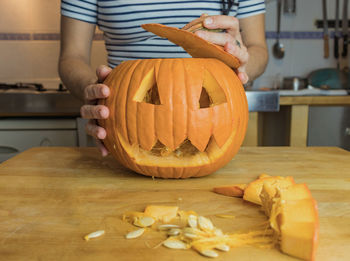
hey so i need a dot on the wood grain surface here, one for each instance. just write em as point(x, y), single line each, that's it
point(51, 197)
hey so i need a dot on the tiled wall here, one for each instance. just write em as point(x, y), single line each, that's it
point(302, 40)
point(29, 46)
point(29, 42)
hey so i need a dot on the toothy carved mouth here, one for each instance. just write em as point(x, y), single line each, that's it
point(186, 149)
point(186, 155)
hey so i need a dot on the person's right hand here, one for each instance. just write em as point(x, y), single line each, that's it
point(92, 111)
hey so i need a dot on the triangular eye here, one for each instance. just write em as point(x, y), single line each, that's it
point(204, 100)
point(212, 94)
point(148, 90)
point(152, 95)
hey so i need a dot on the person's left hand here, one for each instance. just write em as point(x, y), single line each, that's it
point(230, 39)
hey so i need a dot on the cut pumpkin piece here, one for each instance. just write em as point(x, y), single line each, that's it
point(194, 45)
point(161, 213)
point(236, 190)
point(264, 175)
point(299, 239)
point(293, 215)
point(293, 192)
point(253, 190)
point(303, 210)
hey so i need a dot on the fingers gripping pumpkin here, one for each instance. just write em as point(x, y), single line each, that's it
point(175, 118)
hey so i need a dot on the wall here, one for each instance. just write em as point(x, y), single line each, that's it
point(302, 40)
point(29, 41)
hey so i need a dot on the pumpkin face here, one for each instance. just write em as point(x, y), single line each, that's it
point(174, 118)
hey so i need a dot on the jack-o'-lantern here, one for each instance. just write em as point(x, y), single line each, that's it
point(174, 118)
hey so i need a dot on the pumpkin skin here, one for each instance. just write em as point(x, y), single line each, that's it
point(159, 127)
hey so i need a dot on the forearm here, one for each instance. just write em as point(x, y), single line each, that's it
point(258, 58)
point(76, 74)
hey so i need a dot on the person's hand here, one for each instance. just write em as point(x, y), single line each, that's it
point(92, 111)
point(230, 39)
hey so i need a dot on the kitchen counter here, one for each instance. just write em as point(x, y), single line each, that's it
point(50, 103)
point(299, 117)
point(315, 100)
point(52, 197)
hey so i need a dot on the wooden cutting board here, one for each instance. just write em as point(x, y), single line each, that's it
point(51, 197)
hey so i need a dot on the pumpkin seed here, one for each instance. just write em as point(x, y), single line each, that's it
point(224, 248)
point(190, 235)
point(205, 224)
point(209, 253)
point(175, 244)
point(94, 235)
point(167, 226)
point(144, 221)
point(192, 221)
point(218, 232)
point(135, 233)
point(174, 232)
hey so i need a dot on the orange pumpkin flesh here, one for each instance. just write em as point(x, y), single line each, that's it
point(253, 190)
point(174, 118)
point(293, 215)
point(161, 213)
point(291, 209)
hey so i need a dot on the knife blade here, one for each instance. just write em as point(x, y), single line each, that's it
point(325, 30)
point(336, 30)
point(345, 29)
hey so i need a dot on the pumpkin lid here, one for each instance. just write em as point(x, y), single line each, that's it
point(193, 44)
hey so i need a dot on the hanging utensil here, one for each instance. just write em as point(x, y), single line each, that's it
point(345, 29)
point(278, 48)
point(325, 30)
point(336, 32)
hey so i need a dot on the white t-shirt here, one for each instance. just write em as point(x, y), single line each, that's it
point(120, 22)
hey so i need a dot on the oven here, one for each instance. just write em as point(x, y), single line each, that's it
point(33, 116)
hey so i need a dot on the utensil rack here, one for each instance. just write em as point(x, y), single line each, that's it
point(331, 23)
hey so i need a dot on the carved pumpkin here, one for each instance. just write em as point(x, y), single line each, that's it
point(175, 118)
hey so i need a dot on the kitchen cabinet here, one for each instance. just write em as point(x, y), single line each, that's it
point(329, 126)
point(299, 121)
point(19, 134)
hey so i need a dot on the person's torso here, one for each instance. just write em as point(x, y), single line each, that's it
point(120, 21)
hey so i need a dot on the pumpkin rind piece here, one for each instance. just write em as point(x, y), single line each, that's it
point(236, 190)
point(193, 44)
point(253, 190)
point(293, 215)
point(299, 239)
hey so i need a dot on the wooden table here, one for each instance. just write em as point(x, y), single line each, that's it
point(51, 197)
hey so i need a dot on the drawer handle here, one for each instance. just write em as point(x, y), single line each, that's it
point(6, 150)
point(45, 143)
point(347, 131)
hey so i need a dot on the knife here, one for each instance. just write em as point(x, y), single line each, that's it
point(325, 30)
point(345, 29)
point(336, 30)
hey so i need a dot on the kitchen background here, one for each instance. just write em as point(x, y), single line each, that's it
point(29, 50)
point(29, 41)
